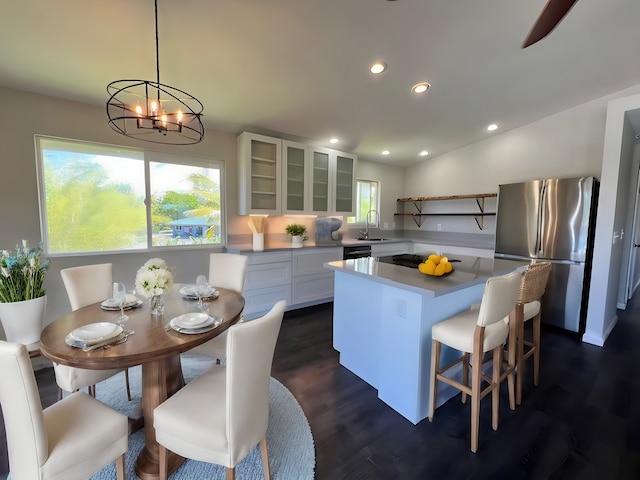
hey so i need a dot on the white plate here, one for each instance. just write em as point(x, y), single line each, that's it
point(130, 300)
point(96, 332)
point(192, 320)
point(189, 291)
point(127, 306)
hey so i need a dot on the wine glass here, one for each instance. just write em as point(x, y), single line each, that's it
point(119, 295)
point(202, 285)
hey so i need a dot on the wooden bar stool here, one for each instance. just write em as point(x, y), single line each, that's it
point(532, 287)
point(477, 331)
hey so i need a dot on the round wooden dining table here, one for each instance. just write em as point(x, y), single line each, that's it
point(152, 346)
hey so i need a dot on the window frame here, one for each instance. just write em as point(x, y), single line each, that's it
point(357, 224)
point(148, 157)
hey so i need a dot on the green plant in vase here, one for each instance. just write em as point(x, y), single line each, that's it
point(298, 233)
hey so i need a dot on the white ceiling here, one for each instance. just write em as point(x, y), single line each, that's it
point(301, 67)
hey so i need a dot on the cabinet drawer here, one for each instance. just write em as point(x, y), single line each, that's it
point(261, 300)
point(311, 288)
point(269, 257)
point(267, 275)
point(311, 261)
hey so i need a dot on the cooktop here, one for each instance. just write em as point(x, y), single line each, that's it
point(404, 259)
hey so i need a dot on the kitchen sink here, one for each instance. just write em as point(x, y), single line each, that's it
point(372, 239)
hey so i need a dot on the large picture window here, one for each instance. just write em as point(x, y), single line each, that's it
point(97, 198)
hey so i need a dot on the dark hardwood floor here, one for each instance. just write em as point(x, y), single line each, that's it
point(580, 423)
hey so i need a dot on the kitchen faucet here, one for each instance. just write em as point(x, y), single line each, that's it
point(366, 223)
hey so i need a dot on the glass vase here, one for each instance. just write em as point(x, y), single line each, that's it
point(156, 304)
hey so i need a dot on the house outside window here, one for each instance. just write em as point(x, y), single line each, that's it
point(367, 198)
point(97, 198)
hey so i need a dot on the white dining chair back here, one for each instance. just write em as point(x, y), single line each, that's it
point(227, 270)
point(85, 285)
point(234, 396)
point(73, 439)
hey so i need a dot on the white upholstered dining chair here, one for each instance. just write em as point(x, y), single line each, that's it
point(85, 285)
point(223, 414)
point(477, 331)
point(226, 270)
point(71, 440)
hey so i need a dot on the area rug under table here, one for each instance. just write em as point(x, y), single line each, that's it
point(289, 439)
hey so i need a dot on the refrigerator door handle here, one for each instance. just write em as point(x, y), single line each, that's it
point(541, 219)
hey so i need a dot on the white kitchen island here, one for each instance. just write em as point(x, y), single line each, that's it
point(382, 321)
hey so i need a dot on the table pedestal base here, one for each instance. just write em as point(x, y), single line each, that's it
point(160, 380)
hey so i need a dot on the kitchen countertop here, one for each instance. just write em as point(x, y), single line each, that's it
point(286, 245)
point(469, 271)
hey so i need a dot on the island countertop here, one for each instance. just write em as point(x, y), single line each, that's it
point(468, 271)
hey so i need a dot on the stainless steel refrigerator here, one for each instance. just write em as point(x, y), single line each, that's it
point(552, 220)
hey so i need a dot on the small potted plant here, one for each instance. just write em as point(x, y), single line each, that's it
point(298, 234)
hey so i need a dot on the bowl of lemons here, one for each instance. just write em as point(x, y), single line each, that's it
point(436, 266)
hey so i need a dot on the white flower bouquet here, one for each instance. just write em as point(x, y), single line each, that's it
point(153, 278)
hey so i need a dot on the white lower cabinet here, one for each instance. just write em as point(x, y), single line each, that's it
point(296, 276)
point(266, 282)
point(311, 282)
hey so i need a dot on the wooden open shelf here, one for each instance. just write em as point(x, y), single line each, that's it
point(418, 203)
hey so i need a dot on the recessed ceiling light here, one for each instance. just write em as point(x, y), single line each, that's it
point(420, 87)
point(386, 152)
point(334, 140)
point(424, 153)
point(378, 67)
point(492, 127)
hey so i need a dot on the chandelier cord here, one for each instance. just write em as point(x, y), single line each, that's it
point(157, 43)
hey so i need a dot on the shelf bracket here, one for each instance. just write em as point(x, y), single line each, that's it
point(417, 219)
point(480, 220)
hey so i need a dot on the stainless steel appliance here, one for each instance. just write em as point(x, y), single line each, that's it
point(356, 251)
point(552, 220)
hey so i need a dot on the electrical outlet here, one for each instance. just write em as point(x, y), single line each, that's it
point(439, 227)
point(401, 308)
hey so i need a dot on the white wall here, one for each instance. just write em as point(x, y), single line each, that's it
point(613, 207)
point(567, 144)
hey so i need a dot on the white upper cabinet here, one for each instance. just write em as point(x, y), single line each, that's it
point(296, 176)
point(333, 182)
point(280, 177)
point(321, 180)
point(259, 174)
point(345, 184)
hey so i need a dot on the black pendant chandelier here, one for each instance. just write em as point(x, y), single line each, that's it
point(154, 112)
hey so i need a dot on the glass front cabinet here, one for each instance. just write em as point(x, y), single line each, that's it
point(259, 174)
point(296, 174)
point(281, 177)
point(332, 182)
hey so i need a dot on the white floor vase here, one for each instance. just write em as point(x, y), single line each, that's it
point(23, 321)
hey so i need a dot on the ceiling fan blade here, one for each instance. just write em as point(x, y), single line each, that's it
point(553, 12)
